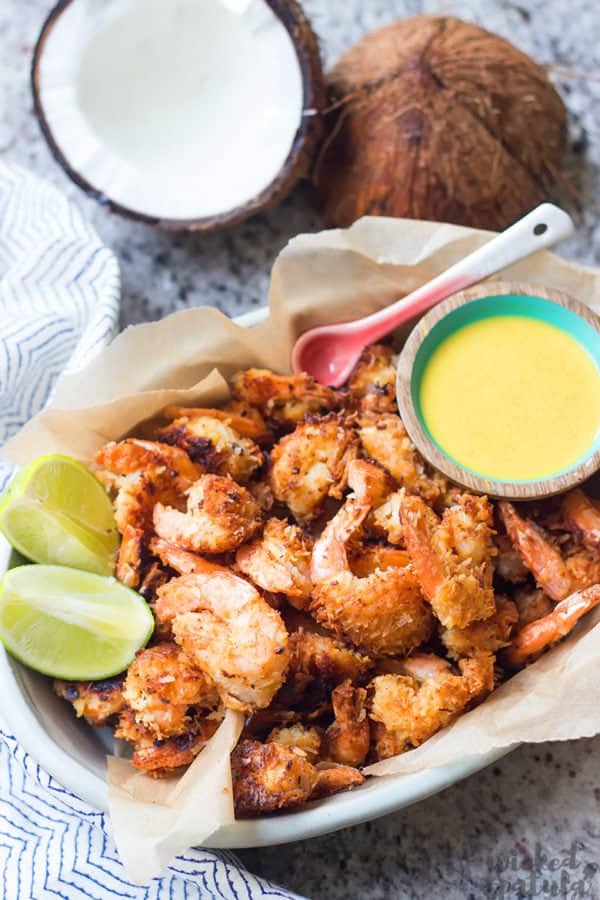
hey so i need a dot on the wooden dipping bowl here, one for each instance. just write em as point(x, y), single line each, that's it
point(488, 299)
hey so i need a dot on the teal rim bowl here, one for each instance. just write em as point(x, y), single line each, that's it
point(482, 302)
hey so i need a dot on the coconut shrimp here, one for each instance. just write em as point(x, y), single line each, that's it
point(279, 561)
point(372, 385)
point(324, 659)
point(409, 708)
point(268, 777)
point(220, 516)
point(582, 517)
point(97, 701)
point(284, 400)
point(488, 635)
point(452, 557)
point(370, 558)
point(558, 572)
point(131, 557)
point(214, 443)
point(348, 739)
point(384, 439)
point(230, 632)
point(308, 740)
point(165, 756)
point(142, 473)
point(540, 634)
point(244, 419)
point(382, 614)
point(310, 465)
point(163, 686)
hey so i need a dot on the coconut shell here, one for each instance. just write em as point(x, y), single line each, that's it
point(436, 118)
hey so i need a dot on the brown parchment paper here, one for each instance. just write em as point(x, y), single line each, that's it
point(187, 359)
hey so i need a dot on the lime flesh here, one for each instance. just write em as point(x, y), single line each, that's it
point(56, 511)
point(71, 624)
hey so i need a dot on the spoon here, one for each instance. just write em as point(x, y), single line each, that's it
point(329, 353)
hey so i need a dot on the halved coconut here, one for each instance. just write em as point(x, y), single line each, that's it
point(187, 114)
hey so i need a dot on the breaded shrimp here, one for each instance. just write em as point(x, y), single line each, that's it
point(542, 559)
point(143, 473)
point(230, 632)
point(279, 561)
point(540, 634)
point(383, 614)
point(268, 777)
point(334, 777)
point(160, 757)
point(175, 557)
point(385, 439)
point(488, 635)
point(310, 465)
point(372, 384)
point(220, 516)
point(582, 517)
point(212, 442)
point(370, 558)
point(306, 739)
point(162, 685)
point(452, 557)
point(131, 557)
point(410, 708)
point(97, 701)
point(242, 417)
point(134, 455)
point(347, 740)
point(284, 400)
point(323, 658)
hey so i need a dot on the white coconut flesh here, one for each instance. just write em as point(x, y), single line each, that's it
point(179, 109)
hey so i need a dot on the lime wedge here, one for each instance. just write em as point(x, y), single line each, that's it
point(71, 624)
point(56, 511)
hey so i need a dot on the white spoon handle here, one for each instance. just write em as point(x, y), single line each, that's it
point(540, 228)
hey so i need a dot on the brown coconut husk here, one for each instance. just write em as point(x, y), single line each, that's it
point(435, 118)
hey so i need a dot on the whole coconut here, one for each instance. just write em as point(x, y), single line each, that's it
point(435, 118)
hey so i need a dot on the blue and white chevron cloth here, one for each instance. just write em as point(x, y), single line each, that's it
point(59, 302)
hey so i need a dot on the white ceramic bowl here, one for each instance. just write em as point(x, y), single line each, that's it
point(74, 754)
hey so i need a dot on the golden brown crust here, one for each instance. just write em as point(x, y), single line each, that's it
point(97, 701)
point(268, 777)
point(284, 400)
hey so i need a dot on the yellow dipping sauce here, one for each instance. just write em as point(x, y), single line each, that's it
point(512, 398)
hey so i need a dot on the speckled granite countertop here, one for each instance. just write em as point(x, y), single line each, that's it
point(530, 825)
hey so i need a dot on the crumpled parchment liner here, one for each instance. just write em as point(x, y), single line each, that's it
point(187, 359)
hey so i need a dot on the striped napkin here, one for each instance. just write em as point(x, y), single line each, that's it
point(59, 302)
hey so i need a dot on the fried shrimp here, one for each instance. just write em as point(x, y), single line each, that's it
point(284, 400)
point(242, 417)
point(306, 739)
point(159, 757)
point(409, 708)
point(97, 701)
point(372, 384)
point(230, 632)
point(310, 465)
point(214, 443)
point(384, 439)
point(271, 776)
point(381, 614)
point(452, 557)
point(348, 739)
point(558, 572)
point(220, 516)
point(540, 634)
point(143, 473)
point(162, 686)
point(324, 659)
point(131, 557)
point(488, 635)
point(532, 603)
point(279, 561)
point(582, 516)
